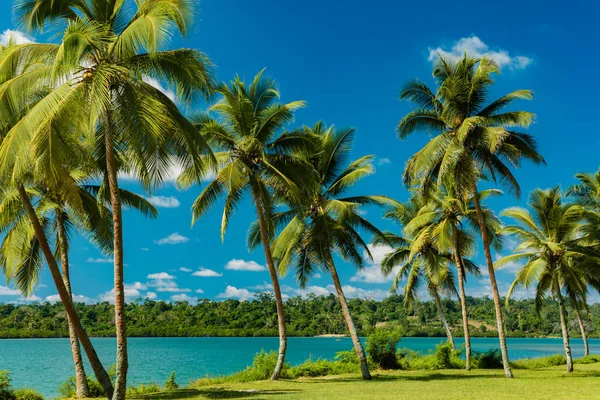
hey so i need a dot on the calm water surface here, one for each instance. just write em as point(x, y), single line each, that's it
point(44, 363)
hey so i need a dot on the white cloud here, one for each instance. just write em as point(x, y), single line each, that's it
point(184, 297)
point(163, 201)
point(160, 275)
point(242, 265)
point(156, 84)
point(107, 260)
point(17, 37)
point(355, 292)
point(77, 298)
point(317, 276)
point(199, 291)
point(172, 289)
point(383, 161)
point(151, 295)
point(183, 269)
point(32, 297)
point(233, 292)
point(206, 273)
point(362, 212)
point(372, 272)
point(132, 292)
point(477, 48)
point(263, 287)
point(6, 291)
point(173, 238)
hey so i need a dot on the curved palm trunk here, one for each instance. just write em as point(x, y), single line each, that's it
point(586, 347)
point(120, 319)
point(494, 284)
point(360, 352)
point(563, 326)
point(99, 370)
point(80, 377)
point(463, 302)
point(276, 289)
point(440, 311)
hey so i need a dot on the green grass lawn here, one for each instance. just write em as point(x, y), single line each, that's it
point(551, 383)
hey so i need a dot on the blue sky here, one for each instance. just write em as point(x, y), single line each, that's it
point(348, 60)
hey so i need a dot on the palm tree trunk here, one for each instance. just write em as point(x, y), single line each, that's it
point(463, 301)
point(360, 352)
point(563, 326)
point(80, 377)
point(99, 370)
point(586, 346)
point(120, 319)
point(440, 311)
point(494, 284)
point(276, 289)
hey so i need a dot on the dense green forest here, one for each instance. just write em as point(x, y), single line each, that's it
point(314, 315)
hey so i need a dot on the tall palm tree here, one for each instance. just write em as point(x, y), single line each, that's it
point(253, 157)
point(550, 245)
point(20, 253)
point(109, 50)
point(418, 257)
point(326, 221)
point(473, 139)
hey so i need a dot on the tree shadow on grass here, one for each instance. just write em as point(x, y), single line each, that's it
point(405, 377)
point(217, 393)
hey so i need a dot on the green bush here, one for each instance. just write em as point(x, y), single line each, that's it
point(491, 359)
point(592, 358)
point(6, 392)
point(170, 384)
point(68, 389)
point(381, 347)
point(443, 357)
point(542, 362)
point(27, 394)
point(142, 390)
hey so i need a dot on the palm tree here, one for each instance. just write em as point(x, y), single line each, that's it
point(109, 50)
point(252, 157)
point(472, 139)
point(326, 221)
point(550, 245)
point(20, 253)
point(442, 221)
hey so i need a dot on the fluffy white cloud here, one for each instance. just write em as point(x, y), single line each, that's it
point(151, 295)
point(156, 84)
point(107, 260)
point(173, 238)
point(242, 265)
point(372, 272)
point(163, 201)
point(184, 297)
point(184, 269)
point(77, 298)
point(199, 291)
point(32, 297)
point(132, 292)
point(263, 287)
point(172, 289)
point(477, 48)
point(374, 294)
point(206, 273)
point(17, 37)
point(6, 291)
point(233, 292)
point(160, 275)
point(317, 276)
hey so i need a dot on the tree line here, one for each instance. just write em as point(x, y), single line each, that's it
point(310, 316)
point(77, 113)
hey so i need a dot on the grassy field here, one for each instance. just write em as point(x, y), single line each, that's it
point(551, 383)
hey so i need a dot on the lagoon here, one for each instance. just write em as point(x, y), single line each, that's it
point(43, 364)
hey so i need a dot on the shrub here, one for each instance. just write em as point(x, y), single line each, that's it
point(592, 358)
point(142, 390)
point(542, 362)
point(27, 394)
point(443, 357)
point(381, 347)
point(170, 384)
point(68, 389)
point(321, 367)
point(491, 359)
point(6, 392)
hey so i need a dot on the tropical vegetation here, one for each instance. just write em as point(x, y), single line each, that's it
point(80, 111)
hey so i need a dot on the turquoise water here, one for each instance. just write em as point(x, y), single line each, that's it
point(44, 363)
